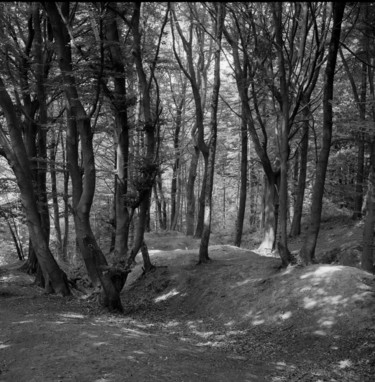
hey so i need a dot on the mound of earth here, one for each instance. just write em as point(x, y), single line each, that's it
point(240, 287)
point(316, 320)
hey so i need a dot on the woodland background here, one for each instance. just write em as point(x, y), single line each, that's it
point(223, 118)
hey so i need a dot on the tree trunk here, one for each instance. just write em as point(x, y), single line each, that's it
point(55, 278)
point(121, 134)
point(307, 252)
point(79, 126)
point(203, 248)
point(367, 259)
point(295, 229)
point(243, 181)
point(190, 197)
point(202, 199)
point(270, 212)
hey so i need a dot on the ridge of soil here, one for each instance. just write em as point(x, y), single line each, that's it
point(238, 318)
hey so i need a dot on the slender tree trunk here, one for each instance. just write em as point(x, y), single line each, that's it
point(190, 197)
point(295, 229)
point(203, 248)
point(202, 199)
point(243, 181)
point(367, 259)
point(307, 252)
point(55, 200)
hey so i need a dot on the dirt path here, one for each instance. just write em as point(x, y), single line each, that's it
point(239, 318)
point(48, 338)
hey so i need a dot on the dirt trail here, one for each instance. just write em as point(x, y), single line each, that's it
point(239, 318)
point(48, 338)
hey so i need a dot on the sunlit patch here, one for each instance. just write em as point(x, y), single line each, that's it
point(323, 270)
point(72, 315)
point(139, 352)
point(286, 315)
point(98, 344)
point(89, 335)
point(247, 281)
point(134, 332)
point(309, 303)
point(209, 343)
point(203, 334)
point(326, 323)
point(229, 323)
point(345, 363)
point(154, 251)
point(171, 324)
point(166, 296)
point(320, 333)
point(236, 332)
point(3, 346)
point(257, 322)
point(23, 322)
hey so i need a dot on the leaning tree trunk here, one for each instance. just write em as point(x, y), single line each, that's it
point(307, 252)
point(55, 278)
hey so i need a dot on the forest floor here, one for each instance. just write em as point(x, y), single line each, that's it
point(238, 318)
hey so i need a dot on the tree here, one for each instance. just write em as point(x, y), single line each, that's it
point(15, 153)
point(79, 132)
point(307, 252)
point(218, 15)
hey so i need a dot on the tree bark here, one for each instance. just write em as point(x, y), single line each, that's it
point(219, 23)
point(243, 181)
point(55, 278)
point(307, 252)
point(295, 229)
point(79, 126)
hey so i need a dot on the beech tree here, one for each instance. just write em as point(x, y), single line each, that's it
point(79, 132)
point(307, 252)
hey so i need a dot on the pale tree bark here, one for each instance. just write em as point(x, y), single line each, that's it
point(307, 252)
point(55, 278)
point(244, 74)
point(218, 16)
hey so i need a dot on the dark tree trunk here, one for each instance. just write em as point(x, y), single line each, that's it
point(210, 166)
point(243, 185)
point(190, 197)
point(121, 133)
point(55, 278)
point(295, 229)
point(307, 252)
point(79, 126)
point(202, 199)
point(367, 259)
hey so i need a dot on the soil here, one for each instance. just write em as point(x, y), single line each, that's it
point(238, 318)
